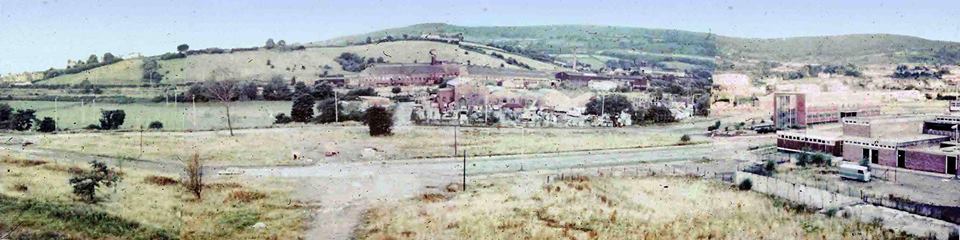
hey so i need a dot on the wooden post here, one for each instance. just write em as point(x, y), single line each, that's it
point(464, 170)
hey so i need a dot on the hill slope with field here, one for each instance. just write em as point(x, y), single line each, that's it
point(856, 48)
point(306, 64)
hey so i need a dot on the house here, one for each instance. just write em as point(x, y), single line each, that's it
point(381, 75)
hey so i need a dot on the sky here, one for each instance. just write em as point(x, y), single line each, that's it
point(36, 34)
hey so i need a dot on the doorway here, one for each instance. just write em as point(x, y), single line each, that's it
point(952, 165)
point(901, 159)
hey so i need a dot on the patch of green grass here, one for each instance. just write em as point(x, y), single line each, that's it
point(239, 219)
point(73, 220)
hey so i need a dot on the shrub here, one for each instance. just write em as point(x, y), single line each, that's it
point(160, 180)
point(302, 109)
point(322, 91)
point(715, 126)
point(244, 196)
point(770, 166)
point(685, 139)
point(194, 173)
point(745, 185)
point(47, 125)
point(85, 184)
point(156, 125)
point(111, 119)
point(282, 118)
point(276, 90)
point(23, 119)
point(92, 127)
point(379, 120)
point(395, 90)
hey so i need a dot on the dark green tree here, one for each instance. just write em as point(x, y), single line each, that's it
point(183, 48)
point(23, 119)
point(276, 90)
point(611, 104)
point(112, 119)
point(322, 91)
point(302, 109)
point(85, 184)
point(47, 125)
point(379, 120)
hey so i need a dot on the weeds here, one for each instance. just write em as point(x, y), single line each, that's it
point(244, 196)
point(160, 180)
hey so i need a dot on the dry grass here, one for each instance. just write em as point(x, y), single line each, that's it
point(246, 147)
point(648, 208)
point(160, 180)
point(244, 196)
point(139, 198)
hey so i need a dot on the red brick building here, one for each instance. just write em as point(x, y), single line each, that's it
point(895, 142)
point(799, 110)
point(381, 75)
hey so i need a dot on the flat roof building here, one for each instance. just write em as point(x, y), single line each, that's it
point(800, 110)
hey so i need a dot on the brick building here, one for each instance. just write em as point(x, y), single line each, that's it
point(799, 110)
point(895, 142)
point(381, 75)
point(578, 79)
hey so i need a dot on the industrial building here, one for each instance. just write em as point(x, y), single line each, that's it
point(896, 142)
point(800, 110)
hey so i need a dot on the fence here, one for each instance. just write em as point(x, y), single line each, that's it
point(810, 196)
point(945, 213)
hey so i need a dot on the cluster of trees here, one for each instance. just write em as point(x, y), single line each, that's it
point(80, 65)
point(511, 61)
point(151, 70)
point(353, 62)
point(282, 45)
point(275, 90)
point(812, 70)
point(916, 72)
point(306, 99)
point(538, 55)
point(23, 119)
point(615, 104)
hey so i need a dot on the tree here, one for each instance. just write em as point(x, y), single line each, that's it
point(281, 43)
point(85, 184)
point(224, 92)
point(23, 119)
point(611, 104)
point(109, 58)
point(112, 119)
point(395, 90)
point(322, 91)
point(6, 113)
point(301, 88)
point(302, 110)
point(156, 125)
point(194, 173)
point(685, 139)
point(328, 110)
point(47, 125)
point(660, 114)
point(379, 120)
point(183, 48)
point(270, 44)
point(249, 91)
point(92, 60)
point(276, 90)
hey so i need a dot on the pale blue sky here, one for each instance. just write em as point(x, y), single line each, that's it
point(35, 35)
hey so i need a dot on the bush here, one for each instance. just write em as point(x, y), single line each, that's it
point(396, 90)
point(112, 119)
point(322, 91)
point(282, 118)
point(85, 184)
point(685, 139)
point(276, 90)
point(92, 127)
point(770, 166)
point(611, 104)
point(47, 125)
point(379, 120)
point(194, 173)
point(714, 127)
point(156, 125)
point(244, 196)
point(160, 180)
point(745, 185)
point(23, 119)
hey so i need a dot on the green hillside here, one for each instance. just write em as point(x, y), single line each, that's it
point(858, 48)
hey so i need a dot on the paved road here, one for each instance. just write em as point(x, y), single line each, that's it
point(343, 190)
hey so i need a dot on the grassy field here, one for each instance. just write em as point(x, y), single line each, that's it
point(174, 116)
point(610, 208)
point(150, 204)
point(128, 71)
point(275, 145)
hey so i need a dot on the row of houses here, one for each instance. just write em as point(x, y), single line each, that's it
point(914, 143)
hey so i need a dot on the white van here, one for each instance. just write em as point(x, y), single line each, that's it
point(854, 172)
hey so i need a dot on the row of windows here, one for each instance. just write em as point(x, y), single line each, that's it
point(806, 139)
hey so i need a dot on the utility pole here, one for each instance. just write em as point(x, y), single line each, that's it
point(464, 170)
point(456, 129)
point(336, 107)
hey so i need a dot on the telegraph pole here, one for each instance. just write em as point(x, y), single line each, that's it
point(464, 170)
point(336, 107)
